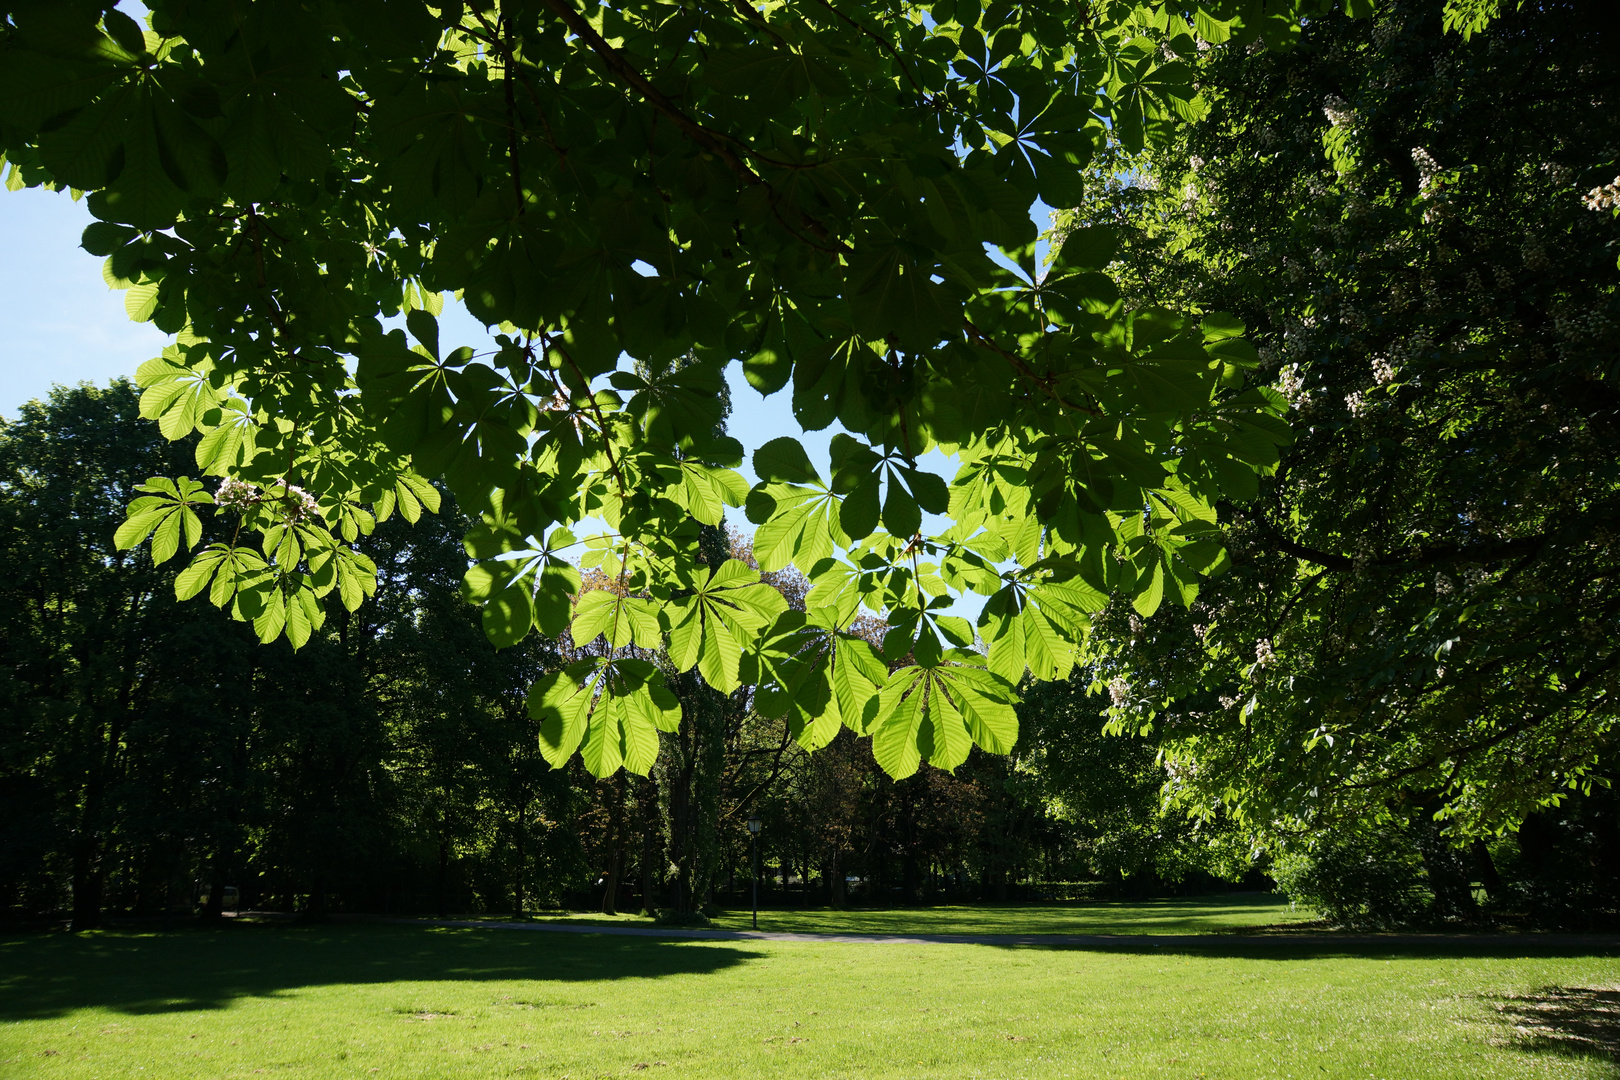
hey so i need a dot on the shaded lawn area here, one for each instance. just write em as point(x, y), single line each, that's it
point(1179, 915)
point(359, 1000)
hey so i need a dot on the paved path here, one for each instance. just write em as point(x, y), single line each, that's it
point(1283, 939)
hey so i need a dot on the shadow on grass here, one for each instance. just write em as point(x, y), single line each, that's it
point(1569, 1021)
point(49, 975)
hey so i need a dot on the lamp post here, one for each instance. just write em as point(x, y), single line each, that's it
point(753, 847)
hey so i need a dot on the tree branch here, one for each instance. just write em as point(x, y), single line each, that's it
point(882, 44)
point(712, 141)
point(1018, 365)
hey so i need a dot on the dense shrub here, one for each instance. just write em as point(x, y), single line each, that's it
point(1362, 880)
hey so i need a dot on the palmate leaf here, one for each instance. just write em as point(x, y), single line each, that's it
point(796, 513)
point(230, 438)
point(609, 710)
point(816, 677)
point(713, 626)
point(178, 393)
point(410, 494)
point(524, 589)
point(166, 515)
point(936, 714)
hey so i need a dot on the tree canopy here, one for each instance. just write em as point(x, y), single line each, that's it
point(837, 194)
point(1419, 229)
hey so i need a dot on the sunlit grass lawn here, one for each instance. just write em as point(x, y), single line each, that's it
point(1180, 915)
point(1192, 915)
point(420, 1002)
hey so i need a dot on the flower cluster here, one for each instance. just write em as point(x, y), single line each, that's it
point(1383, 371)
point(1356, 403)
point(1606, 197)
point(1263, 653)
point(1427, 168)
point(1338, 111)
point(298, 504)
point(1119, 691)
point(1292, 383)
point(236, 495)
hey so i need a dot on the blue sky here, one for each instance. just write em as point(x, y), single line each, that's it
point(59, 322)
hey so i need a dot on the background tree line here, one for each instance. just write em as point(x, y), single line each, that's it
point(154, 754)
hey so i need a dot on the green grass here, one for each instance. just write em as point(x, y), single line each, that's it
point(361, 1001)
point(1194, 915)
point(1190, 915)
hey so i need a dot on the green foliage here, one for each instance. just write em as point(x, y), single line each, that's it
point(1361, 879)
point(815, 191)
point(1420, 615)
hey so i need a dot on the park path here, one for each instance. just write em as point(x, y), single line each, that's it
point(1126, 941)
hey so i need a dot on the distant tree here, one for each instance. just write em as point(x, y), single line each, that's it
point(84, 628)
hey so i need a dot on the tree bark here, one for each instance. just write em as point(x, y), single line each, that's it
point(647, 799)
point(610, 880)
point(444, 877)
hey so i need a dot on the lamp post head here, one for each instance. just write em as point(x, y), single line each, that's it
point(753, 825)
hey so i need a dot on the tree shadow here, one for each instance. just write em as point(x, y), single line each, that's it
point(48, 975)
point(1569, 1021)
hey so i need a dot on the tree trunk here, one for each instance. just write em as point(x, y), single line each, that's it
point(88, 884)
point(520, 835)
point(1486, 866)
point(444, 877)
point(836, 892)
point(1448, 877)
point(214, 907)
point(610, 880)
point(647, 800)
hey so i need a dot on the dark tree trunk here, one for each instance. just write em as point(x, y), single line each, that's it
point(88, 884)
point(1448, 876)
point(647, 804)
point(316, 909)
point(837, 894)
point(214, 908)
point(519, 855)
point(1486, 866)
point(444, 878)
point(610, 879)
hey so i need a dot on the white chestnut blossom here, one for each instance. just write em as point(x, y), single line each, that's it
point(236, 496)
point(1338, 111)
point(298, 504)
point(1606, 197)
point(1427, 167)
